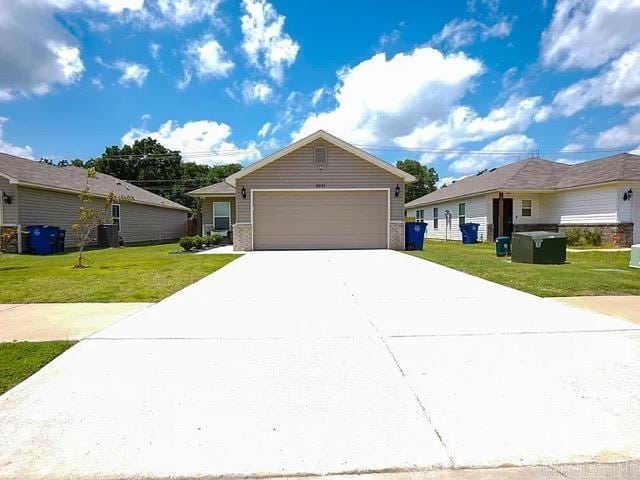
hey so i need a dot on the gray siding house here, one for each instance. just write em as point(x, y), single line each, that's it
point(36, 193)
point(317, 193)
point(537, 194)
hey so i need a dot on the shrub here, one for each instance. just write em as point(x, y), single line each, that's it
point(207, 241)
point(574, 236)
point(591, 237)
point(198, 243)
point(216, 239)
point(187, 243)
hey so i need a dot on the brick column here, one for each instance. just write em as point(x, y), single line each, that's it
point(242, 237)
point(396, 236)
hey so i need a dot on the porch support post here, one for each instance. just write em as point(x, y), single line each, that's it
point(19, 227)
point(500, 214)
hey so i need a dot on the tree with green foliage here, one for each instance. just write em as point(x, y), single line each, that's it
point(426, 179)
point(92, 214)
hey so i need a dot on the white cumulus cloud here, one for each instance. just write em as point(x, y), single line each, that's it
point(617, 84)
point(256, 91)
point(464, 125)
point(626, 134)
point(6, 147)
point(166, 13)
point(207, 59)
point(40, 54)
point(132, 73)
point(381, 99)
point(199, 136)
point(265, 43)
point(460, 33)
point(264, 129)
point(588, 33)
point(490, 155)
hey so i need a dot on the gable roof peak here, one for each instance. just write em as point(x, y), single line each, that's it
point(329, 138)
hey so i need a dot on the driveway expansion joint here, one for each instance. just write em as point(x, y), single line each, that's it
point(396, 363)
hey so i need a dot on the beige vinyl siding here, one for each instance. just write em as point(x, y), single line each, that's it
point(297, 170)
point(145, 223)
point(475, 210)
point(320, 219)
point(9, 213)
point(140, 223)
point(46, 207)
point(207, 210)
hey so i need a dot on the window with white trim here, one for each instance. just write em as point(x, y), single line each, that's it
point(115, 215)
point(435, 217)
point(419, 215)
point(221, 216)
point(526, 208)
point(462, 213)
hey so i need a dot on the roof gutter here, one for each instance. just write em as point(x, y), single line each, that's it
point(477, 194)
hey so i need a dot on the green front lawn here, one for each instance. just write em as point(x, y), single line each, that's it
point(585, 273)
point(129, 274)
point(20, 360)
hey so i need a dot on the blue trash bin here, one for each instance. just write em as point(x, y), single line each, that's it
point(42, 239)
point(414, 233)
point(469, 233)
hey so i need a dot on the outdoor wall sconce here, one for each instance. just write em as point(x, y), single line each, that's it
point(627, 195)
point(6, 198)
point(243, 192)
point(397, 190)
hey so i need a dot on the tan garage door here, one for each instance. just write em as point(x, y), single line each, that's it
point(320, 220)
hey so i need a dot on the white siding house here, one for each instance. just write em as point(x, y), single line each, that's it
point(540, 195)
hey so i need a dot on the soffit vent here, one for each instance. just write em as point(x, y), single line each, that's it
point(320, 156)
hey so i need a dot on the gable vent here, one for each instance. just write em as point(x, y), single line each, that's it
point(320, 156)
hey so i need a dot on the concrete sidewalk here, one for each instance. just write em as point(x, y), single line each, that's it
point(39, 322)
point(626, 307)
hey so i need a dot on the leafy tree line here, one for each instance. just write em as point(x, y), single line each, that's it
point(426, 179)
point(150, 165)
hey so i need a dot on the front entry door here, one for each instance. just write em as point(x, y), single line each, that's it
point(507, 217)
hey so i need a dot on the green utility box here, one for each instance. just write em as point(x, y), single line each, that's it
point(634, 262)
point(538, 247)
point(503, 246)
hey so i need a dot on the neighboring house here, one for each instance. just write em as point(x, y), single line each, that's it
point(536, 194)
point(217, 209)
point(35, 193)
point(318, 193)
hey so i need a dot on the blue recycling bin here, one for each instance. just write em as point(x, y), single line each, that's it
point(43, 239)
point(414, 233)
point(469, 233)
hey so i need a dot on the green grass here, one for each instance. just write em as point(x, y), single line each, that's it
point(582, 274)
point(129, 274)
point(19, 360)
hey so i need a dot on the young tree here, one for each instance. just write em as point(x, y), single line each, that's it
point(426, 179)
point(93, 212)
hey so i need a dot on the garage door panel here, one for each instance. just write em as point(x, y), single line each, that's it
point(320, 220)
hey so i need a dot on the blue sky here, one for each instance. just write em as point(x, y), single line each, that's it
point(233, 80)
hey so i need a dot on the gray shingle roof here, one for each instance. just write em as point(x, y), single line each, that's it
point(220, 188)
point(623, 166)
point(74, 179)
point(538, 174)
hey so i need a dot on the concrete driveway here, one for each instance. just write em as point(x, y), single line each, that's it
point(288, 363)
